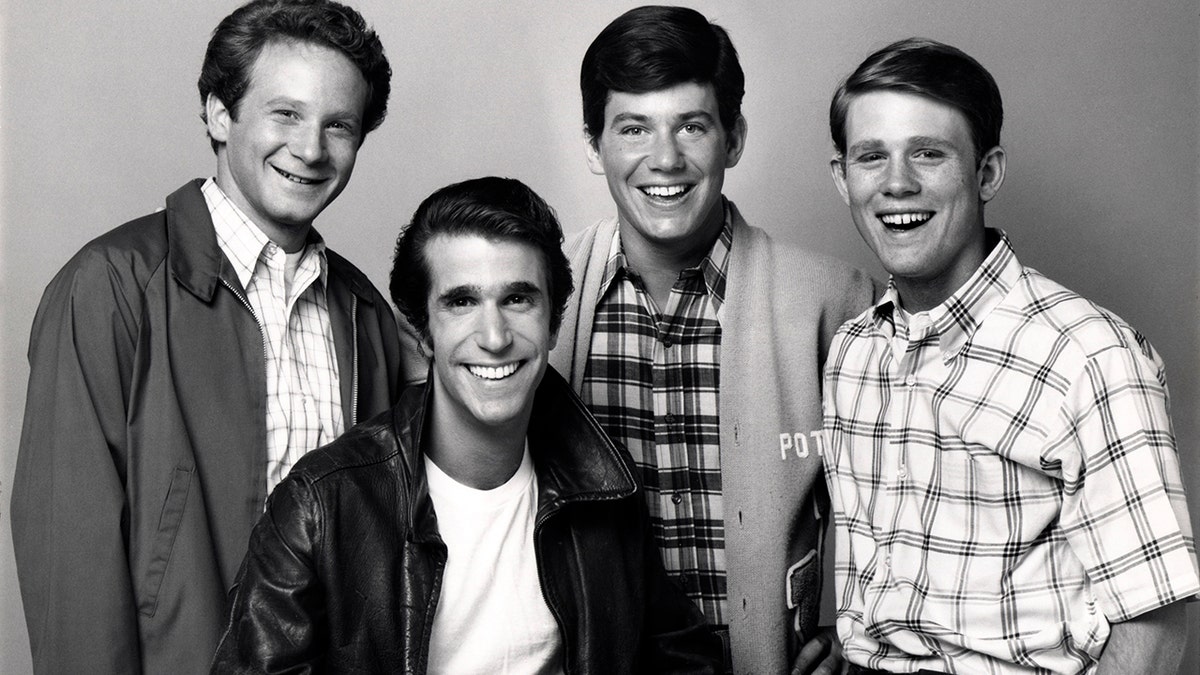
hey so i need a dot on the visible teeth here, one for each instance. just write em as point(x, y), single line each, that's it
point(664, 190)
point(905, 218)
point(493, 372)
point(294, 178)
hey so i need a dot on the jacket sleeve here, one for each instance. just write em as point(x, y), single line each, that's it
point(277, 612)
point(677, 639)
point(68, 502)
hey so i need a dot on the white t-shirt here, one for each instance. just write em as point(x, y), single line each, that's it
point(491, 616)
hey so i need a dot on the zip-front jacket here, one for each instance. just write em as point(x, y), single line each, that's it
point(142, 465)
point(345, 568)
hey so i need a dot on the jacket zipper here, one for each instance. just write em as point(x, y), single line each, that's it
point(258, 322)
point(353, 362)
point(541, 564)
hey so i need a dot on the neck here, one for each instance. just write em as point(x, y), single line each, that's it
point(659, 264)
point(476, 456)
point(288, 237)
point(920, 295)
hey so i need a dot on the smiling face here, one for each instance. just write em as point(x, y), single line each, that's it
point(916, 191)
point(664, 154)
point(489, 330)
point(291, 149)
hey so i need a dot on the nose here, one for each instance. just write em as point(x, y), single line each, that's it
point(493, 333)
point(665, 155)
point(900, 180)
point(308, 143)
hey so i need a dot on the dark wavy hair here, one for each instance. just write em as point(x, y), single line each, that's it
point(490, 207)
point(927, 68)
point(241, 36)
point(655, 47)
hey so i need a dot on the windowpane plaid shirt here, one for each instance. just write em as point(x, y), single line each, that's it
point(651, 381)
point(1004, 479)
point(304, 401)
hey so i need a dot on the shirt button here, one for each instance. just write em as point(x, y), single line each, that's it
point(666, 344)
point(669, 418)
point(910, 380)
point(902, 471)
point(676, 498)
point(684, 580)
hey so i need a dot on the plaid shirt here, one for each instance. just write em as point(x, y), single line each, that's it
point(1004, 479)
point(304, 402)
point(651, 381)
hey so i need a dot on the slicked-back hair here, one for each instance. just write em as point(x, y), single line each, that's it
point(656, 47)
point(493, 208)
point(927, 68)
point(240, 37)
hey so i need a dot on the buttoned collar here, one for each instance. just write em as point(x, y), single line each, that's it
point(956, 319)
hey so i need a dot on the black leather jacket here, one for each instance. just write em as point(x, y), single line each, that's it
point(345, 565)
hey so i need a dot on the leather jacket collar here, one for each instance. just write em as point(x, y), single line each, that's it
point(573, 458)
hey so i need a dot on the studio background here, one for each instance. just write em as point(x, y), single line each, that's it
point(99, 121)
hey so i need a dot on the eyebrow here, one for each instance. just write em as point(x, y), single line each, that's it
point(343, 114)
point(701, 115)
point(524, 287)
point(913, 141)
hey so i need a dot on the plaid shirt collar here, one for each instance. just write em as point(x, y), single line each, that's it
point(956, 318)
point(244, 243)
point(714, 267)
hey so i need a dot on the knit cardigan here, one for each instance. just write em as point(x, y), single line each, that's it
point(782, 306)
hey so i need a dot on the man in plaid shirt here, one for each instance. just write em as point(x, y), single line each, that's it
point(1006, 489)
point(697, 340)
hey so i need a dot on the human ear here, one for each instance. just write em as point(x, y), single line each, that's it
point(595, 164)
point(736, 143)
point(218, 118)
point(837, 169)
point(991, 173)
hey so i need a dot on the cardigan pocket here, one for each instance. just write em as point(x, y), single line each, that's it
point(164, 539)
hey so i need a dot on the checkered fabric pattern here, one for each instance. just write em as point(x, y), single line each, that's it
point(304, 402)
point(651, 381)
point(1004, 479)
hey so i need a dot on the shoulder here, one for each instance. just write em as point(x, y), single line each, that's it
point(1083, 325)
point(345, 272)
point(796, 276)
point(359, 452)
point(791, 260)
point(579, 246)
point(135, 248)
point(114, 267)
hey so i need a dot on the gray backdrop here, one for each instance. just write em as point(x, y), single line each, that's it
point(99, 121)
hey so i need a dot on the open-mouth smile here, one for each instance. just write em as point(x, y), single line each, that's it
point(905, 221)
point(494, 372)
point(298, 179)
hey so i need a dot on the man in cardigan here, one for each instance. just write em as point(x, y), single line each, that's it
point(698, 342)
point(1005, 482)
point(180, 364)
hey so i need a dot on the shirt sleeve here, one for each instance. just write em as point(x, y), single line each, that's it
point(1124, 511)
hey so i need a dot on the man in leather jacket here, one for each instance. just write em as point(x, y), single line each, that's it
point(486, 523)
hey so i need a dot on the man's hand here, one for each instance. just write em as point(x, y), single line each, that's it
point(821, 656)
